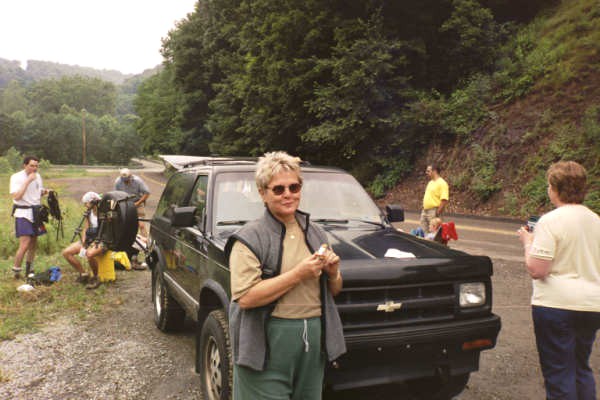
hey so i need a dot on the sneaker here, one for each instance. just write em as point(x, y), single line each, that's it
point(17, 272)
point(94, 283)
point(137, 266)
point(83, 278)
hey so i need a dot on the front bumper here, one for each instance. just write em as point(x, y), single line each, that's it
point(400, 354)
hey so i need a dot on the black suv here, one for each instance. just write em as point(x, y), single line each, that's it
point(413, 310)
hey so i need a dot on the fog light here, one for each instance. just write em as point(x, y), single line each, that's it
point(472, 294)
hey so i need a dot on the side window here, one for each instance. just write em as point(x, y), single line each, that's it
point(198, 199)
point(175, 193)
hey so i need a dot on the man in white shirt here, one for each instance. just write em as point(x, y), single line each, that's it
point(27, 189)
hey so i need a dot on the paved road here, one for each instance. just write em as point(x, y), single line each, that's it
point(494, 237)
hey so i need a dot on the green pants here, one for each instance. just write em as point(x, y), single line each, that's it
point(294, 368)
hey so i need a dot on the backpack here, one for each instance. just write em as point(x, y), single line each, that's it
point(47, 277)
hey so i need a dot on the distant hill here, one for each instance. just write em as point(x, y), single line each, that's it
point(9, 71)
point(39, 70)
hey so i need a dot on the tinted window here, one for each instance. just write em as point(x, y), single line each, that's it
point(198, 199)
point(175, 193)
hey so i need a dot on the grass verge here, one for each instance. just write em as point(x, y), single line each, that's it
point(23, 312)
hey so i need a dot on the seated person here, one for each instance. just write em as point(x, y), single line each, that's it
point(434, 225)
point(97, 248)
point(90, 230)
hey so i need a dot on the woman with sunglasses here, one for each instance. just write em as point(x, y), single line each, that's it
point(283, 320)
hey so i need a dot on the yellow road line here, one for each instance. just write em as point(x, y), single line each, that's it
point(475, 229)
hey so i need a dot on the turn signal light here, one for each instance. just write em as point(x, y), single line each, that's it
point(477, 344)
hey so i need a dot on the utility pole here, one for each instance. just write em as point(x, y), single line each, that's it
point(83, 158)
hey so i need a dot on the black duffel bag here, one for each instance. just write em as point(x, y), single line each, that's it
point(117, 220)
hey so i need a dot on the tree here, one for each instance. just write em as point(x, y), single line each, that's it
point(13, 98)
point(359, 110)
point(158, 105)
point(96, 96)
point(469, 40)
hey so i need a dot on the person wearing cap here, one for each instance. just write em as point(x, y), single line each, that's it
point(134, 185)
point(88, 234)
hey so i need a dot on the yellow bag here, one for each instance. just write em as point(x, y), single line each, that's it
point(122, 258)
point(106, 266)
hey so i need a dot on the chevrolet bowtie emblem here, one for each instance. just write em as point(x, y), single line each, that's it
point(389, 306)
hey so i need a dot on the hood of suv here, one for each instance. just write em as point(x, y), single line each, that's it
point(373, 254)
point(374, 242)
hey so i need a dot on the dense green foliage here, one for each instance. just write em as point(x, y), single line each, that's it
point(49, 117)
point(335, 82)
point(377, 86)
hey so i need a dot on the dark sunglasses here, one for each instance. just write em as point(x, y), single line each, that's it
point(279, 189)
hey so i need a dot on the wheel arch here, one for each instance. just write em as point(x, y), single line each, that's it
point(212, 297)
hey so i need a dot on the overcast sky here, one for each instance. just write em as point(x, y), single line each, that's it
point(124, 35)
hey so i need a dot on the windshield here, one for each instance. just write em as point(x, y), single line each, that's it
point(326, 196)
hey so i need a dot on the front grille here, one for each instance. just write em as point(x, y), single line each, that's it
point(411, 304)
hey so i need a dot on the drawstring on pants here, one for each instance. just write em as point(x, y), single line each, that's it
point(305, 336)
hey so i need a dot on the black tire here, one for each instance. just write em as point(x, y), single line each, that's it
point(118, 221)
point(168, 314)
point(216, 368)
point(436, 388)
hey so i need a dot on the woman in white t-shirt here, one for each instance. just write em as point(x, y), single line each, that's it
point(563, 258)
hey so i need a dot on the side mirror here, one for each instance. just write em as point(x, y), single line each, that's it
point(183, 216)
point(395, 213)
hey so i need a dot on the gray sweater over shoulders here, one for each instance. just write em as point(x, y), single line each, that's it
point(247, 328)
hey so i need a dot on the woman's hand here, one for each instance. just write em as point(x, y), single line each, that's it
point(331, 263)
point(331, 266)
point(309, 268)
point(525, 236)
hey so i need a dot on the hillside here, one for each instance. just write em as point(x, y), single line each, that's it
point(545, 107)
point(38, 70)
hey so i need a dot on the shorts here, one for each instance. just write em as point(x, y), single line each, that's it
point(141, 211)
point(24, 227)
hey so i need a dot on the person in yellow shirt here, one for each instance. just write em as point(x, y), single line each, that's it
point(436, 197)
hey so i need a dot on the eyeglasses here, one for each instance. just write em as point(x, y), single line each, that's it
point(279, 189)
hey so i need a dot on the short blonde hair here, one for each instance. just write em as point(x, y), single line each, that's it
point(273, 163)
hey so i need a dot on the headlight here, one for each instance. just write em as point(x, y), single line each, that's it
point(472, 294)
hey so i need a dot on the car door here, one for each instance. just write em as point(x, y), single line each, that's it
point(191, 248)
point(175, 194)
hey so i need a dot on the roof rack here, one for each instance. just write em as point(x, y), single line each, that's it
point(182, 162)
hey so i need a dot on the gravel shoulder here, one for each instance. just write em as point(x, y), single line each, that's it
point(115, 354)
